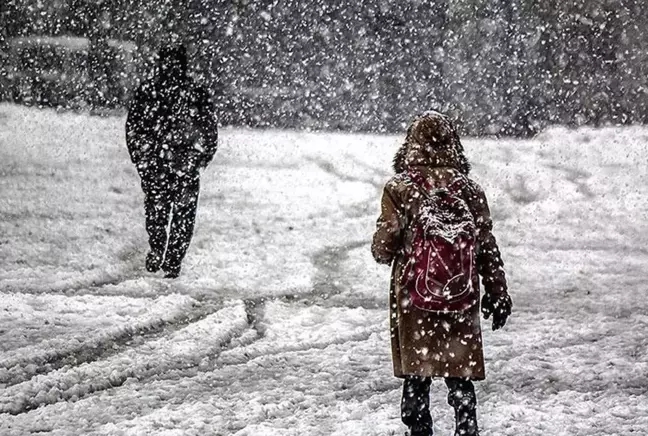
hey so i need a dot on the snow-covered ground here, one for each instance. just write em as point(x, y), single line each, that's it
point(278, 325)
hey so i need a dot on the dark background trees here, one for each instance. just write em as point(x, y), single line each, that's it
point(500, 66)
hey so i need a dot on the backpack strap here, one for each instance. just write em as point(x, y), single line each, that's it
point(420, 182)
point(456, 185)
point(415, 176)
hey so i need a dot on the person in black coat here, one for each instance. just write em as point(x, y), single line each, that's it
point(171, 133)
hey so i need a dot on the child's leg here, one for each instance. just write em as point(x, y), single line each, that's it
point(461, 396)
point(415, 405)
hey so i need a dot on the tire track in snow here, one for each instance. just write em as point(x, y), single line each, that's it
point(21, 365)
point(87, 282)
point(328, 281)
point(80, 288)
point(186, 347)
point(328, 262)
point(232, 356)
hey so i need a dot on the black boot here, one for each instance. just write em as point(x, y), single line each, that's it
point(171, 271)
point(415, 406)
point(421, 430)
point(153, 261)
point(461, 396)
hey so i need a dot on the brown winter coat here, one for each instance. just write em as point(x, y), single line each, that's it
point(426, 343)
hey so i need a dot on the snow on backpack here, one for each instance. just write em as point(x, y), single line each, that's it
point(440, 264)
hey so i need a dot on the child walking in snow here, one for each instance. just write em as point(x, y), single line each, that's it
point(435, 231)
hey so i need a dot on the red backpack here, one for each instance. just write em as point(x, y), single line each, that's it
point(440, 265)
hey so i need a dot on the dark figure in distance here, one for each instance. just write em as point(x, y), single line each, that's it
point(171, 133)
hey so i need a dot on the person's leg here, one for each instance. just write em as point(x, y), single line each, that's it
point(415, 405)
point(461, 396)
point(157, 206)
point(183, 219)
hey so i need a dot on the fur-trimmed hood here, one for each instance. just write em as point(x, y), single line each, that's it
point(431, 140)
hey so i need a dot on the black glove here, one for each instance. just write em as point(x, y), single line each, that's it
point(498, 306)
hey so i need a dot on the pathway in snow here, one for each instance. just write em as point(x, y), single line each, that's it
point(278, 325)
